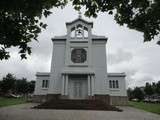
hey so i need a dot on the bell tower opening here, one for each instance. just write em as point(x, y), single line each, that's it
point(79, 32)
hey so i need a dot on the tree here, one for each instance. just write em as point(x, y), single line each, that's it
point(138, 93)
point(20, 23)
point(130, 93)
point(31, 86)
point(20, 19)
point(154, 86)
point(8, 83)
point(158, 87)
point(148, 89)
point(21, 86)
point(140, 15)
point(0, 85)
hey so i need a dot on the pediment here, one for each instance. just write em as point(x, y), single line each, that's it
point(79, 20)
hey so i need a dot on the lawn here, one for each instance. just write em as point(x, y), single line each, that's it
point(11, 101)
point(150, 107)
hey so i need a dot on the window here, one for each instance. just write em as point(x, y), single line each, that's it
point(117, 85)
point(110, 84)
point(78, 55)
point(79, 31)
point(113, 84)
point(45, 83)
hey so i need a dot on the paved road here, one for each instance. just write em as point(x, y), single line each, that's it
point(23, 112)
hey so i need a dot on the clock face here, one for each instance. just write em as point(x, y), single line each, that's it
point(78, 55)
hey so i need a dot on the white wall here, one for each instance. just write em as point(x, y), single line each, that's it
point(57, 65)
point(96, 61)
point(121, 91)
point(38, 87)
point(99, 65)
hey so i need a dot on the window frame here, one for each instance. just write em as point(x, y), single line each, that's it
point(113, 84)
point(74, 55)
point(45, 83)
point(110, 83)
point(117, 83)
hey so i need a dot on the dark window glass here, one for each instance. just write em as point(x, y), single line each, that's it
point(79, 55)
point(45, 83)
point(110, 84)
point(117, 85)
point(113, 83)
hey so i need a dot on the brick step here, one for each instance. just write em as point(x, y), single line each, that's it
point(76, 104)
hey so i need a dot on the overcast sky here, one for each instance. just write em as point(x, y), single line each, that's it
point(126, 51)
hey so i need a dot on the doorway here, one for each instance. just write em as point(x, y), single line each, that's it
point(78, 86)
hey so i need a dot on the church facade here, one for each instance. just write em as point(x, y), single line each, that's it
point(79, 68)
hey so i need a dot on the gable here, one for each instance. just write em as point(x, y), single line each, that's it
point(81, 21)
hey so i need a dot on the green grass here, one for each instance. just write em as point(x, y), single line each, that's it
point(150, 107)
point(11, 101)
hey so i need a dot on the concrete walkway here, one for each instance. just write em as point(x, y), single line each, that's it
point(24, 112)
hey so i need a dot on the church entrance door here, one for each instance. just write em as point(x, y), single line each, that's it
point(78, 87)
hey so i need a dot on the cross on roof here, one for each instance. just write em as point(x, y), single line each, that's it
point(79, 14)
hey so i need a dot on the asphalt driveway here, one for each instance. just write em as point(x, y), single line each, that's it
point(24, 112)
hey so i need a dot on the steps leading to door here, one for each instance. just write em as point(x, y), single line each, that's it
point(76, 104)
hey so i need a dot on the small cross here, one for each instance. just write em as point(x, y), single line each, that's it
point(79, 14)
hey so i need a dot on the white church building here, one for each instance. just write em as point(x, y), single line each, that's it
point(79, 68)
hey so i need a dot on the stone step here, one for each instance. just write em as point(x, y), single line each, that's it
point(76, 104)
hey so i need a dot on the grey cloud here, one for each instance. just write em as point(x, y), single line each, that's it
point(119, 56)
point(24, 68)
point(130, 74)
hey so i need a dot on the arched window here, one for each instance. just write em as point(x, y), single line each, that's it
point(117, 84)
point(45, 83)
point(113, 84)
point(79, 31)
point(110, 84)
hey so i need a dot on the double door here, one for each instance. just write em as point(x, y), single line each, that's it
point(78, 88)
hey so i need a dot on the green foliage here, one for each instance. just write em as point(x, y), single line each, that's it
point(11, 101)
point(20, 23)
point(11, 84)
point(31, 86)
point(150, 107)
point(130, 93)
point(158, 88)
point(0, 85)
point(148, 89)
point(21, 86)
point(8, 83)
point(141, 15)
point(24, 87)
point(138, 93)
point(153, 88)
